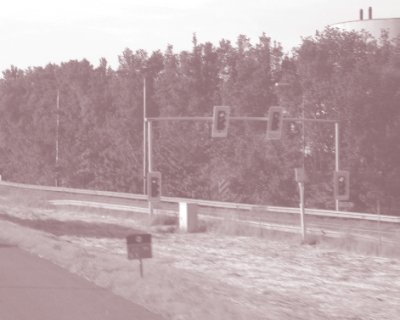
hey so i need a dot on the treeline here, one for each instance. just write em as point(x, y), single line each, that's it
point(333, 75)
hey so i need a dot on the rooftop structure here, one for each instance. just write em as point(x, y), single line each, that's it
point(373, 26)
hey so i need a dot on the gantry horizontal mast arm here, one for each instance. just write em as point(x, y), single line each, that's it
point(236, 118)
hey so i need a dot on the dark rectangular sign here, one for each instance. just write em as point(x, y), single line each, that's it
point(139, 246)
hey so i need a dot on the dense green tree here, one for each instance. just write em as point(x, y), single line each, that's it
point(345, 76)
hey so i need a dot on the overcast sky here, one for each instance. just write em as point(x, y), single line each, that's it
point(37, 32)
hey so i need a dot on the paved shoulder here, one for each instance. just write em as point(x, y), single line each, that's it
point(32, 288)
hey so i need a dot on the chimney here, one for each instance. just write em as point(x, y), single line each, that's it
point(361, 14)
point(370, 13)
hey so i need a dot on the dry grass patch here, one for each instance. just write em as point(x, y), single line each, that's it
point(73, 228)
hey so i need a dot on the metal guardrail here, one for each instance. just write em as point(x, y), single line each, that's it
point(317, 230)
point(74, 191)
point(214, 204)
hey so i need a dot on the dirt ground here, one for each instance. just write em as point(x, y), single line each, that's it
point(210, 275)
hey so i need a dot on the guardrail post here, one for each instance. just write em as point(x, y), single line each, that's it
point(187, 217)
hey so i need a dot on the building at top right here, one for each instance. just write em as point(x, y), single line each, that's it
point(371, 25)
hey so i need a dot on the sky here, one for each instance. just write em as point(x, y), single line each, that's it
point(35, 33)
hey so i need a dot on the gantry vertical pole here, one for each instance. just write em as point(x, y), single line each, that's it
point(57, 135)
point(150, 145)
point(144, 137)
point(302, 211)
point(302, 183)
point(150, 156)
point(337, 157)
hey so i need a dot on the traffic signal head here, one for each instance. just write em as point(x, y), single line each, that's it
point(154, 186)
point(342, 185)
point(299, 175)
point(276, 120)
point(293, 129)
point(220, 121)
point(274, 127)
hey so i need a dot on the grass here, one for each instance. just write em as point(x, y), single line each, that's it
point(348, 242)
point(163, 287)
point(73, 228)
point(230, 225)
point(164, 223)
point(164, 220)
point(39, 198)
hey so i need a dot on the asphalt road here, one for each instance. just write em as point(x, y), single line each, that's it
point(32, 288)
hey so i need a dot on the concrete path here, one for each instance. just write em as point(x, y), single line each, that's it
point(32, 288)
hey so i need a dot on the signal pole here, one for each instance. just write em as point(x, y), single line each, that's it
point(150, 158)
point(302, 183)
point(337, 157)
point(302, 212)
point(57, 135)
point(144, 136)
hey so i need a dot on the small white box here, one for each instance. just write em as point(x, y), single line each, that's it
point(187, 217)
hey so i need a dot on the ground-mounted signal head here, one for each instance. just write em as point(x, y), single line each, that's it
point(220, 122)
point(154, 186)
point(300, 175)
point(341, 184)
point(275, 121)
